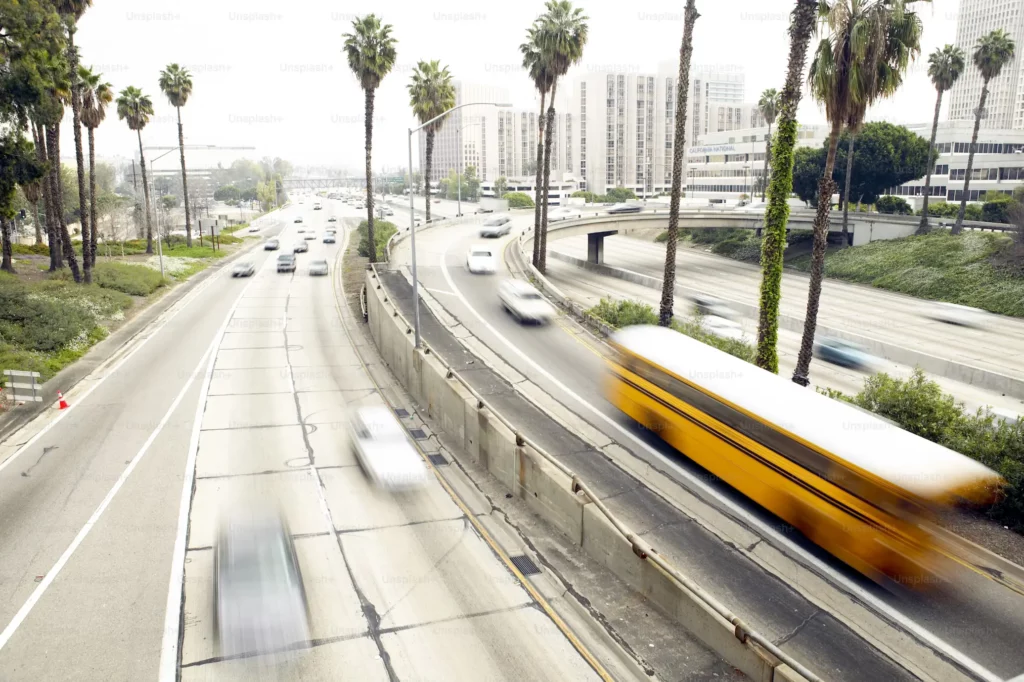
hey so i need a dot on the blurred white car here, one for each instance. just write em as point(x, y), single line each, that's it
point(497, 226)
point(310, 235)
point(711, 306)
point(318, 267)
point(243, 269)
point(625, 208)
point(384, 451)
point(962, 315)
point(723, 328)
point(563, 213)
point(480, 259)
point(524, 302)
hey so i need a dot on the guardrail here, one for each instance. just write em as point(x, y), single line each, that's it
point(742, 632)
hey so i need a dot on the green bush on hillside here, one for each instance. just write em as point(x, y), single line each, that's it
point(382, 232)
point(135, 280)
point(519, 200)
point(893, 205)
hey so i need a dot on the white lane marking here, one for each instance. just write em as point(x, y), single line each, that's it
point(52, 574)
point(172, 615)
point(440, 291)
point(878, 605)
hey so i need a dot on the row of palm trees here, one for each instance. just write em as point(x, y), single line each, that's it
point(864, 49)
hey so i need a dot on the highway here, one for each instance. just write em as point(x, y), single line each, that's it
point(972, 620)
point(110, 510)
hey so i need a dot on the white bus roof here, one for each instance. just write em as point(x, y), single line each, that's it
point(862, 439)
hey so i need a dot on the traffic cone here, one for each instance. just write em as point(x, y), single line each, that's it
point(63, 403)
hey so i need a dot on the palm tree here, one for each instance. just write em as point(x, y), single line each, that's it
point(176, 83)
point(562, 35)
point(535, 63)
point(136, 109)
point(431, 93)
point(96, 95)
point(768, 105)
point(370, 50)
point(869, 46)
point(668, 282)
point(846, 188)
point(991, 54)
point(944, 68)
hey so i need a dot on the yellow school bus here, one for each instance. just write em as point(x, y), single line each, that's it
point(859, 486)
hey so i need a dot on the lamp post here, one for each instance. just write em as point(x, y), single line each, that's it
point(746, 186)
point(412, 207)
point(458, 164)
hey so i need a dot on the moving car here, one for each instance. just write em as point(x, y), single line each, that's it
point(253, 229)
point(496, 227)
point(272, 245)
point(329, 238)
point(480, 259)
point(625, 208)
point(723, 327)
point(310, 235)
point(243, 269)
point(286, 262)
point(962, 315)
point(318, 267)
point(299, 219)
point(563, 213)
point(359, 206)
point(260, 601)
point(384, 451)
point(524, 302)
point(388, 211)
point(332, 219)
point(300, 247)
point(709, 305)
point(839, 352)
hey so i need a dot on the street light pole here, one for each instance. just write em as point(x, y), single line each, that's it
point(412, 219)
point(458, 164)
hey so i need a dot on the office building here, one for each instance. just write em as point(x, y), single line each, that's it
point(1005, 105)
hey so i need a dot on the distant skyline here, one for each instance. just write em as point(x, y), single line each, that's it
point(275, 77)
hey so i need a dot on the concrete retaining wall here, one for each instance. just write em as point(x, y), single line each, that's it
point(547, 489)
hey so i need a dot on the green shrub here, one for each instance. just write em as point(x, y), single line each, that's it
point(997, 208)
point(893, 205)
point(382, 232)
point(135, 280)
point(30, 249)
point(519, 200)
point(972, 212)
point(662, 238)
point(694, 328)
point(715, 235)
point(918, 405)
point(942, 209)
point(37, 322)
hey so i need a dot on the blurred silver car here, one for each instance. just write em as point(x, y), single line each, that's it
point(243, 269)
point(384, 451)
point(260, 601)
point(840, 352)
point(318, 267)
point(709, 305)
point(625, 208)
point(498, 226)
point(524, 302)
point(962, 315)
point(723, 328)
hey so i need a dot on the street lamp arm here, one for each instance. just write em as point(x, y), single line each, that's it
point(457, 106)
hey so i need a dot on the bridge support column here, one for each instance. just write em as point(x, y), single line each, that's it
point(595, 248)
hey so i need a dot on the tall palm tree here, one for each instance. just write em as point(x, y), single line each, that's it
point(991, 54)
point(768, 105)
point(96, 95)
point(136, 109)
point(176, 83)
point(846, 187)
point(944, 68)
point(431, 93)
point(370, 50)
point(668, 282)
point(801, 25)
point(562, 36)
point(536, 65)
point(862, 59)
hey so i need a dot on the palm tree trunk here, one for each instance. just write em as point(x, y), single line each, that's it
point(826, 188)
point(668, 282)
point(53, 139)
point(92, 198)
point(958, 227)
point(846, 189)
point(923, 227)
point(184, 183)
point(776, 215)
point(767, 161)
point(38, 223)
point(542, 236)
point(427, 168)
point(52, 233)
point(76, 126)
point(41, 157)
point(145, 192)
point(537, 185)
point(368, 121)
point(7, 264)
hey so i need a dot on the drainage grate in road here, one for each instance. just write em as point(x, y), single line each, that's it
point(401, 412)
point(437, 460)
point(525, 564)
point(418, 434)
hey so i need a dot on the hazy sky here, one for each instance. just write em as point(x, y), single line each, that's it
point(272, 74)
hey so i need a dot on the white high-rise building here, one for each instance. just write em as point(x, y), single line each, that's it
point(1005, 105)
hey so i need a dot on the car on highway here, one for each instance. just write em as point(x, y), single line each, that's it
point(318, 267)
point(961, 315)
point(272, 245)
point(299, 219)
point(384, 451)
point(625, 208)
point(300, 247)
point(260, 604)
point(243, 269)
point(329, 238)
point(557, 213)
point(253, 229)
point(300, 230)
point(524, 302)
point(388, 211)
point(498, 226)
point(840, 352)
point(723, 327)
point(709, 305)
point(286, 262)
point(310, 235)
point(332, 219)
point(437, 201)
point(480, 259)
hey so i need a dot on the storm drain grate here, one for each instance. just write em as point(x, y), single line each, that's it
point(437, 460)
point(401, 412)
point(418, 434)
point(525, 564)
